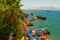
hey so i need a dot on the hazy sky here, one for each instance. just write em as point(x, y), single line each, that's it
point(30, 4)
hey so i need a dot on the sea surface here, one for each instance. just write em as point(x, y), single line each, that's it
point(52, 23)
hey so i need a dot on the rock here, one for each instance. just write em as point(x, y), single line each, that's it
point(31, 13)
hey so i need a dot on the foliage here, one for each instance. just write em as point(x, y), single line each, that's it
point(10, 14)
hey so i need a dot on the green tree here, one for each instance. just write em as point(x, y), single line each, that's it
point(10, 14)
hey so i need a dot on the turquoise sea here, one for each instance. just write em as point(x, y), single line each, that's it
point(52, 22)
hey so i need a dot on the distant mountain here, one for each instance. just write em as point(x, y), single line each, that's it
point(44, 8)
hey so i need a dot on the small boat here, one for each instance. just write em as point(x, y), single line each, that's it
point(39, 17)
point(30, 24)
point(48, 11)
point(42, 18)
point(47, 32)
point(35, 18)
point(26, 15)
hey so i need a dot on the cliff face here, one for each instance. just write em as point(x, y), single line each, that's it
point(10, 14)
